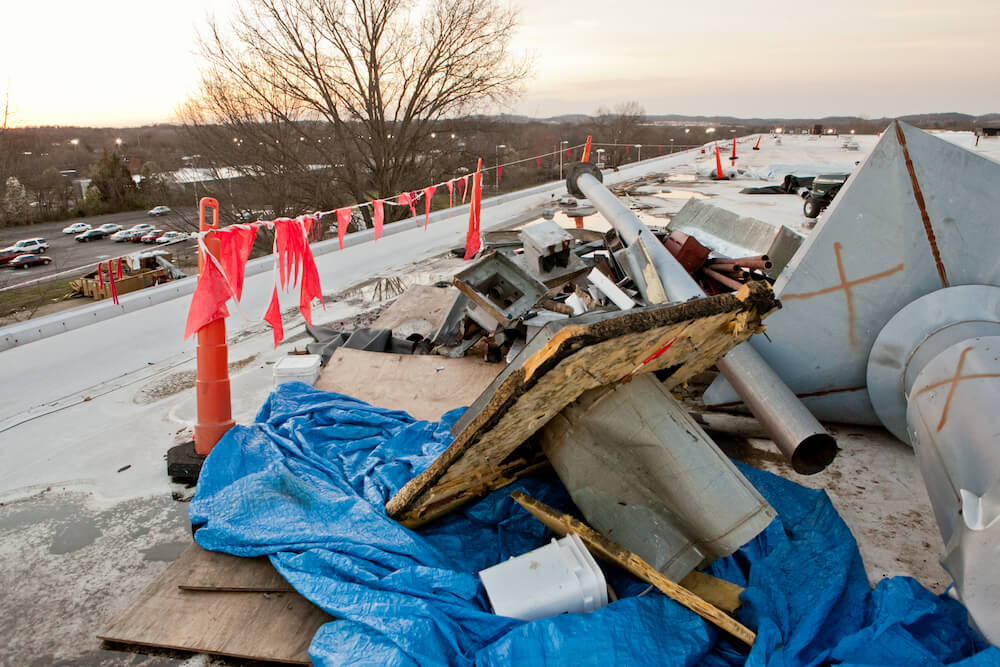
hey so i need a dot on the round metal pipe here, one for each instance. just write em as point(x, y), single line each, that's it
point(794, 429)
point(796, 432)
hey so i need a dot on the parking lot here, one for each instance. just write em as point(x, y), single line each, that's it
point(67, 254)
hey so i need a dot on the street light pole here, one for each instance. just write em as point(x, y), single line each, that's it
point(499, 148)
point(639, 146)
point(561, 144)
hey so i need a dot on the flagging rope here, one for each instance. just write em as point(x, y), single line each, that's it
point(293, 260)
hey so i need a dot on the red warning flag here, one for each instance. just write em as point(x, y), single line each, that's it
point(343, 220)
point(428, 196)
point(273, 317)
point(378, 216)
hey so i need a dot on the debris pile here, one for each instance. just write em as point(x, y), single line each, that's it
point(127, 274)
point(568, 347)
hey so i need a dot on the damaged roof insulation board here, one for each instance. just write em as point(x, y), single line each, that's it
point(500, 287)
point(917, 216)
point(560, 363)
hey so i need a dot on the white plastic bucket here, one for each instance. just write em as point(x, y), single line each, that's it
point(297, 368)
point(558, 578)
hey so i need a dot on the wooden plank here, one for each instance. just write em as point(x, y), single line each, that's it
point(420, 309)
point(607, 550)
point(426, 386)
point(274, 627)
point(212, 571)
point(717, 592)
point(566, 359)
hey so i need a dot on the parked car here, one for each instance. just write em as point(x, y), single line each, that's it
point(24, 261)
point(126, 235)
point(76, 228)
point(110, 228)
point(823, 190)
point(171, 236)
point(142, 227)
point(152, 236)
point(159, 210)
point(7, 254)
point(91, 234)
point(35, 245)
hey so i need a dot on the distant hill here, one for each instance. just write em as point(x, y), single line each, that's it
point(941, 120)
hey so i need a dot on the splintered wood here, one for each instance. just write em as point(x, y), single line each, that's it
point(563, 361)
point(609, 551)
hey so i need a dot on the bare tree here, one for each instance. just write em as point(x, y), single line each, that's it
point(330, 102)
point(620, 126)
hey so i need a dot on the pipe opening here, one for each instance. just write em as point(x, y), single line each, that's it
point(814, 454)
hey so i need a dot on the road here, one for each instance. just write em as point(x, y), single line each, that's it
point(68, 253)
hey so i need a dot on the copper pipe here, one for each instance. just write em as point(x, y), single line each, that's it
point(721, 279)
point(748, 263)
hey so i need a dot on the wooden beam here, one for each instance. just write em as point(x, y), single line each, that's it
point(717, 592)
point(607, 550)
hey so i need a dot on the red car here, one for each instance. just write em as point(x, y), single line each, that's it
point(7, 255)
point(152, 236)
point(24, 261)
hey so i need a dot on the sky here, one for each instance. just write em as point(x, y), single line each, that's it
point(131, 62)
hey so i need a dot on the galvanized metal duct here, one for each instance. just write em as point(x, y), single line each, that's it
point(791, 426)
point(934, 381)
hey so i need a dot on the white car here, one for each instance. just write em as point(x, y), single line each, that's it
point(36, 245)
point(142, 227)
point(126, 235)
point(171, 236)
point(110, 228)
point(159, 210)
point(76, 228)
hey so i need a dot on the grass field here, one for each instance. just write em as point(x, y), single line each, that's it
point(25, 302)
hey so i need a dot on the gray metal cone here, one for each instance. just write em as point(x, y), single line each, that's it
point(894, 233)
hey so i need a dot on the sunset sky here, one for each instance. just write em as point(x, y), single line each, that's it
point(123, 62)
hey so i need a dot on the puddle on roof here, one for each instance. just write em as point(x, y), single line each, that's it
point(165, 553)
point(74, 536)
point(683, 194)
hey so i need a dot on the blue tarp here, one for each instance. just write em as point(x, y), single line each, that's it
point(306, 485)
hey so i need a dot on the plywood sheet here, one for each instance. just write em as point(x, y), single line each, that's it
point(273, 627)
point(212, 571)
point(564, 360)
point(426, 386)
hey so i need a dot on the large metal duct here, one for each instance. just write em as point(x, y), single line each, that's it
point(934, 380)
